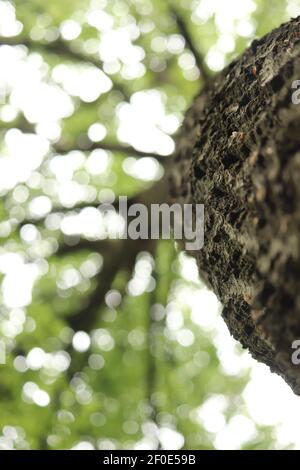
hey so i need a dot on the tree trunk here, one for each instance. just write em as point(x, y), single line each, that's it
point(239, 155)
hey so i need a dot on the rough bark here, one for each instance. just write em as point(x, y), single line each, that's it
point(239, 155)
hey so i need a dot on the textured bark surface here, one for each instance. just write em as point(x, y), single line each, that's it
point(239, 154)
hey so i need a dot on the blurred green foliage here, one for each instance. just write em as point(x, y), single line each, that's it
point(144, 379)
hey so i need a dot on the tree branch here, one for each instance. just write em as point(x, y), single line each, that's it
point(190, 43)
point(64, 49)
point(57, 210)
point(83, 244)
point(155, 194)
point(85, 317)
point(117, 254)
point(151, 366)
point(25, 126)
point(112, 147)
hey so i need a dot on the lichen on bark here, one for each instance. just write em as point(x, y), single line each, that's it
point(239, 155)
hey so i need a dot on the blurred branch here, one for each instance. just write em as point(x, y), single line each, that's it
point(153, 329)
point(112, 147)
point(151, 359)
point(85, 317)
point(61, 48)
point(20, 122)
point(155, 194)
point(57, 210)
point(190, 44)
point(83, 244)
point(25, 126)
point(117, 255)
